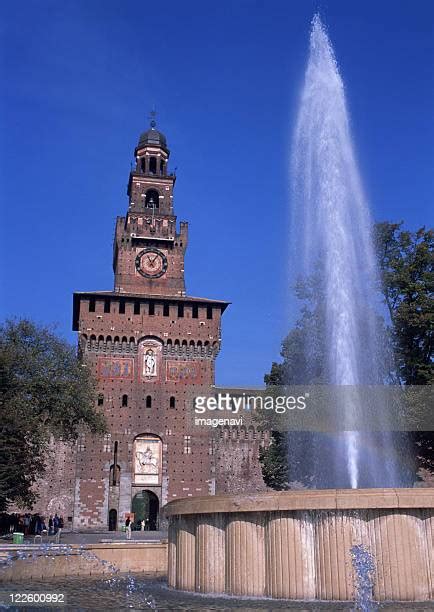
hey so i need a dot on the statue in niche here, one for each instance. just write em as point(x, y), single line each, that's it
point(149, 363)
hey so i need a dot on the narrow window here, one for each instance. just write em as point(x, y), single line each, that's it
point(172, 402)
point(137, 307)
point(180, 310)
point(151, 308)
point(195, 311)
point(92, 305)
point(107, 305)
point(122, 307)
point(153, 165)
point(161, 167)
point(148, 401)
point(143, 164)
point(166, 310)
point(100, 399)
point(209, 312)
point(125, 400)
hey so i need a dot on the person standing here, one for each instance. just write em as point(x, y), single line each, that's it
point(142, 525)
point(50, 525)
point(26, 524)
point(128, 528)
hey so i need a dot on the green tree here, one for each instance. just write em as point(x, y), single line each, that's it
point(406, 262)
point(303, 349)
point(303, 362)
point(275, 468)
point(45, 393)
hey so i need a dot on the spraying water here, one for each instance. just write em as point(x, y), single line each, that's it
point(332, 218)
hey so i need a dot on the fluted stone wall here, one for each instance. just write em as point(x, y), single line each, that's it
point(298, 544)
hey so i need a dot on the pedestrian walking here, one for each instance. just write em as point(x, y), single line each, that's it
point(128, 528)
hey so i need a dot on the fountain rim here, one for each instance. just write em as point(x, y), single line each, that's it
point(305, 499)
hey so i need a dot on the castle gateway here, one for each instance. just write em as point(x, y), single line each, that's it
point(149, 346)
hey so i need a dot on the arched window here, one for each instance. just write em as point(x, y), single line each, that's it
point(153, 165)
point(172, 402)
point(143, 164)
point(100, 399)
point(125, 400)
point(161, 167)
point(152, 199)
point(113, 519)
point(148, 401)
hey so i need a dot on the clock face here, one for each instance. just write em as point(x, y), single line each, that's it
point(151, 263)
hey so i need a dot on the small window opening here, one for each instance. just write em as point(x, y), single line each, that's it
point(152, 199)
point(125, 400)
point(148, 401)
point(153, 165)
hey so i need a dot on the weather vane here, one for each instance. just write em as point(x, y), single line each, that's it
point(152, 116)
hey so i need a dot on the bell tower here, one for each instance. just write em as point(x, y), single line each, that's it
point(150, 347)
point(148, 255)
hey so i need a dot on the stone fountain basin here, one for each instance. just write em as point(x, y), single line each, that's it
point(298, 544)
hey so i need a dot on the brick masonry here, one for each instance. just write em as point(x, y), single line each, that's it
point(151, 347)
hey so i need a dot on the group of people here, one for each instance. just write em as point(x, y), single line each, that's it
point(143, 525)
point(30, 524)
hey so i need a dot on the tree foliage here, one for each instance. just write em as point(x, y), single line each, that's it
point(406, 262)
point(45, 392)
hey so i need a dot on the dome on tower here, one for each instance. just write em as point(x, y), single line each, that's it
point(152, 137)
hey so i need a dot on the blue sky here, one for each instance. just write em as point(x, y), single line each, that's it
point(79, 79)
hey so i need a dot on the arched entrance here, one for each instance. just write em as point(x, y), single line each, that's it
point(145, 507)
point(113, 520)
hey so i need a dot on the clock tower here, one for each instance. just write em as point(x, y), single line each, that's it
point(150, 347)
point(148, 251)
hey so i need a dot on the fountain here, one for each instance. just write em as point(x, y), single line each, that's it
point(333, 223)
point(61, 557)
point(360, 544)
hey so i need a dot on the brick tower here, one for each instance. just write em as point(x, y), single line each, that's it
point(149, 345)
